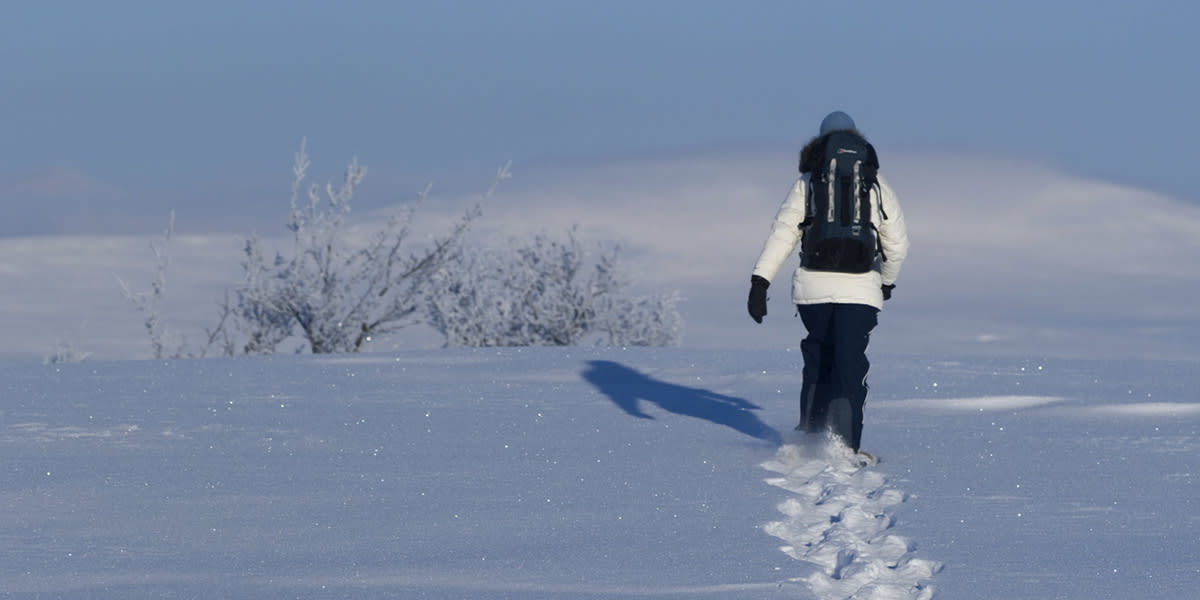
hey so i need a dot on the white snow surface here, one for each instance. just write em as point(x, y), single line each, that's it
point(594, 473)
point(1034, 408)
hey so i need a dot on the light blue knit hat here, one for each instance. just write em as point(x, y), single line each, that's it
point(836, 120)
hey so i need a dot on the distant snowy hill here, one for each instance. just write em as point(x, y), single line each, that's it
point(594, 473)
point(1006, 256)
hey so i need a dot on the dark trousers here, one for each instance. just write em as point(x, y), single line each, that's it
point(835, 368)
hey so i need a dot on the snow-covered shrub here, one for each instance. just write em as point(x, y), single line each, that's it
point(149, 303)
point(545, 292)
point(652, 320)
point(335, 294)
point(332, 292)
point(65, 352)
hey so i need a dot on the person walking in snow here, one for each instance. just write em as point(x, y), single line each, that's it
point(850, 229)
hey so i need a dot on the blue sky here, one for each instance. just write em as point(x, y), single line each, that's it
point(200, 95)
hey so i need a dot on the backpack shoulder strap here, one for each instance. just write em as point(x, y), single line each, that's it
point(809, 204)
point(872, 174)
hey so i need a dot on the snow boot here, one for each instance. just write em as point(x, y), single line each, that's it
point(845, 422)
point(814, 404)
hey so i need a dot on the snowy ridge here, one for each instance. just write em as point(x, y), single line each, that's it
point(838, 520)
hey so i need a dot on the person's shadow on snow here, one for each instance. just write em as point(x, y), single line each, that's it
point(626, 387)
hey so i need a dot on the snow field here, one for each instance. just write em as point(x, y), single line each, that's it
point(548, 474)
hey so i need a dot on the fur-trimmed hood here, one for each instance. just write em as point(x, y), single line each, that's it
point(806, 154)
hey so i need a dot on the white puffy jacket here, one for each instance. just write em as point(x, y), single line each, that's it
point(816, 287)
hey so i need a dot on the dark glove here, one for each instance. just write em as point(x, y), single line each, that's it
point(757, 304)
point(887, 291)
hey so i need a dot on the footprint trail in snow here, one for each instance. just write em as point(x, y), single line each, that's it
point(838, 519)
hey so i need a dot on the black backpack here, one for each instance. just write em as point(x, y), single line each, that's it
point(839, 234)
